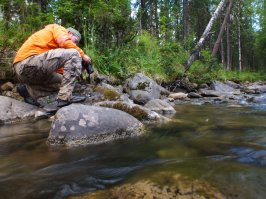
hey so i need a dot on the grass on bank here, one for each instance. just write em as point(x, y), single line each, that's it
point(162, 61)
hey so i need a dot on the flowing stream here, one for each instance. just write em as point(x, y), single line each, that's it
point(225, 146)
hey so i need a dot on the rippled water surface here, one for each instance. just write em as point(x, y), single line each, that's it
point(223, 145)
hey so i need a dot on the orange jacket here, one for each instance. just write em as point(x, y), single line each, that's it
point(51, 37)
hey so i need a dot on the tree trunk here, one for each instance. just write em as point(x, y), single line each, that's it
point(156, 19)
point(222, 53)
point(194, 54)
point(143, 17)
point(239, 48)
point(44, 5)
point(7, 14)
point(239, 40)
point(228, 47)
point(185, 19)
point(218, 41)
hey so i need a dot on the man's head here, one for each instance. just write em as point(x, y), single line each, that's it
point(75, 35)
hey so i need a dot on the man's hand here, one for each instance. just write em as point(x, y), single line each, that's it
point(86, 59)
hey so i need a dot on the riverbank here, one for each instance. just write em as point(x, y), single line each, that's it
point(155, 111)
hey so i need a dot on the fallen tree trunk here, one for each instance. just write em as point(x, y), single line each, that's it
point(215, 15)
point(222, 29)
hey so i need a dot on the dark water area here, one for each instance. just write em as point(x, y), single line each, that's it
point(225, 146)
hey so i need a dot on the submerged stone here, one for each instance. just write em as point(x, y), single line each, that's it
point(163, 185)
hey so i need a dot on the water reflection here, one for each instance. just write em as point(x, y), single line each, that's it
point(217, 143)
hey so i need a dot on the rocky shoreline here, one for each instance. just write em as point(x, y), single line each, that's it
point(121, 112)
point(139, 100)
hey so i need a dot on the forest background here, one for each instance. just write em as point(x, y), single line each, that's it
point(155, 37)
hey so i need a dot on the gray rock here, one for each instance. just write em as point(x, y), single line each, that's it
point(221, 87)
point(203, 86)
point(194, 95)
point(209, 93)
point(79, 124)
point(248, 91)
point(12, 111)
point(143, 89)
point(142, 97)
point(125, 98)
point(160, 106)
point(232, 84)
point(256, 88)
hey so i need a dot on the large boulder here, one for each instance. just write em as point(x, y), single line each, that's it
point(12, 111)
point(79, 124)
point(142, 89)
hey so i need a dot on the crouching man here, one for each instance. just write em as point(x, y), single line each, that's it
point(50, 61)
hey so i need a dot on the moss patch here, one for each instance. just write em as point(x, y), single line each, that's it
point(108, 94)
point(142, 85)
point(134, 111)
point(168, 186)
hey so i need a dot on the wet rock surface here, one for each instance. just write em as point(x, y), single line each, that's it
point(79, 124)
point(162, 185)
point(13, 111)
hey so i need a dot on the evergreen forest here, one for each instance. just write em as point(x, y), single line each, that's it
point(154, 37)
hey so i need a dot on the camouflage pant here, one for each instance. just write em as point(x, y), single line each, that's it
point(37, 72)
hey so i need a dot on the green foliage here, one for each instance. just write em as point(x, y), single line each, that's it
point(173, 55)
point(143, 54)
point(205, 69)
point(260, 47)
point(241, 76)
point(260, 44)
point(119, 46)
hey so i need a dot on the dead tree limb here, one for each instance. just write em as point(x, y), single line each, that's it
point(222, 29)
point(199, 45)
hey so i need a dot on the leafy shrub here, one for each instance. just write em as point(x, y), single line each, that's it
point(162, 62)
point(205, 69)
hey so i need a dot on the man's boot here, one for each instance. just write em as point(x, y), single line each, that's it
point(23, 92)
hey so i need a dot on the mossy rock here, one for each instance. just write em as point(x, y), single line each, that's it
point(135, 111)
point(164, 185)
point(108, 94)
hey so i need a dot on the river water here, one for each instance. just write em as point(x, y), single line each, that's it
point(223, 145)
